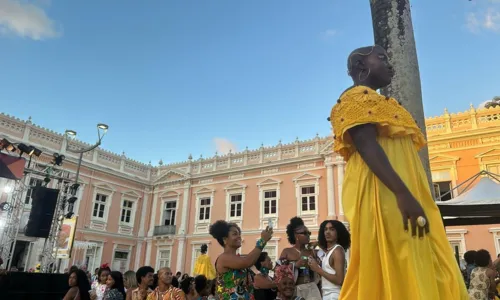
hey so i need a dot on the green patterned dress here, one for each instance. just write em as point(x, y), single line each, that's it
point(235, 285)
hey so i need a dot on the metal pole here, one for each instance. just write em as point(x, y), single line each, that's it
point(29, 256)
point(12, 250)
point(78, 169)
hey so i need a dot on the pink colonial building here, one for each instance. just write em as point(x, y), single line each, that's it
point(132, 214)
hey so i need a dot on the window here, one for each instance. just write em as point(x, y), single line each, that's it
point(99, 206)
point(236, 204)
point(33, 183)
point(271, 250)
point(169, 213)
point(495, 169)
point(442, 190)
point(308, 199)
point(164, 258)
point(195, 255)
point(204, 213)
point(269, 202)
point(120, 262)
point(126, 216)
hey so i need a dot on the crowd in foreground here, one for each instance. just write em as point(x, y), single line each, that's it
point(482, 275)
point(304, 271)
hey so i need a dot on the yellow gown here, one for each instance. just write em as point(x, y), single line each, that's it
point(386, 263)
point(203, 266)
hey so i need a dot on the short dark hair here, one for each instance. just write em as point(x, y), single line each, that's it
point(186, 284)
point(220, 229)
point(483, 258)
point(470, 256)
point(200, 283)
point(260, 260)
point(295, 223)
point(343, 235)
point(204, 248)
point(142, 272)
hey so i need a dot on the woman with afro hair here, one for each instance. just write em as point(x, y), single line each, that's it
point(334, 240)
point(297, 256)
point(232, 275)
point(203, 265)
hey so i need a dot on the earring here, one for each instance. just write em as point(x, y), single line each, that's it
point(366, 77)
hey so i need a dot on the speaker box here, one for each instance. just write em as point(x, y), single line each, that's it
point(42, 212)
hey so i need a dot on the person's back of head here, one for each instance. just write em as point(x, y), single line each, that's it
point(483, 258)
point(186, 285)
point(200, 285)
point(470, 257)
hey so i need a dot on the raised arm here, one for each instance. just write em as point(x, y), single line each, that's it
point(235, 262)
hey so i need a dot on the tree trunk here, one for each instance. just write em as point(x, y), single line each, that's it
point(393, 30)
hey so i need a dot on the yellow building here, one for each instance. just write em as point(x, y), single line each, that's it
point(460, 146)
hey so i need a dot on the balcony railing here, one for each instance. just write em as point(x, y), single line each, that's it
point(164, 230)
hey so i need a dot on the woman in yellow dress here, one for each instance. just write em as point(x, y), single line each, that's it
point(203, 265)
point(399, 245)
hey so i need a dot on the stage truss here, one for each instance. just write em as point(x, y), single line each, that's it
point(13, 216)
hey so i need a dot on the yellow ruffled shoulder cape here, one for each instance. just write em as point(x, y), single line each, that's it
point(363, 105)
point(203, 266)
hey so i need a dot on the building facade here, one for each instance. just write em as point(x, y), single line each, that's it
point(132, 214)
point(460, 146)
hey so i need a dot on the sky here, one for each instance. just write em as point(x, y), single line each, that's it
point(179, 77)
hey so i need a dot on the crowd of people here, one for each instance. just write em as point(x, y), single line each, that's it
point(304, 271)
point(482, 275)
point(143, 284)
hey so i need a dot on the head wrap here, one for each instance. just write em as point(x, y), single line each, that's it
point(281, 272)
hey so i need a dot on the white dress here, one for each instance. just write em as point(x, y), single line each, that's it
point(331, 291)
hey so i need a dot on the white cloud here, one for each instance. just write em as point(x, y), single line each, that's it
point(488, 20)
point(492, 20)
point(26, 20)
point(329, 33)
point(223, 146)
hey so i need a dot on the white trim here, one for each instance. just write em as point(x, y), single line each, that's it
point(124, 227)
point(266, 185)
point(202, 226)
point(306, 180)
point(496, 238)
point(169, 196)
point(97, 223)
point(235, 189)
point(460, 239)
point(160, 249)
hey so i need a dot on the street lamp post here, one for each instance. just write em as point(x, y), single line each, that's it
point(101, 131)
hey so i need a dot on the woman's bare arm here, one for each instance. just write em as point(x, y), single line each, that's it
point(235, 262)
point(262, 282)
point(364, 138)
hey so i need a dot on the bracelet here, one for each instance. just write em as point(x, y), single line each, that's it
point(260, 244)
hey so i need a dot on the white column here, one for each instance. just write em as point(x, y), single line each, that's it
point(153, 215)
point(340, 182)
point(330, 191)
point(144, 207)
point(185, 209)
point(138, 250)
point(181, 263)
point(148, 253)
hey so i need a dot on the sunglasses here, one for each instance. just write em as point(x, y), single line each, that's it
point(304, 233)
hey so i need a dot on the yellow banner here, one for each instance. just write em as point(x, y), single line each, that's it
point(66, 238)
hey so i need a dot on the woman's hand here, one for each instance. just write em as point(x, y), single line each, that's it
point(267, 234)
point(301, 262)
point(411, 210)
point(313, 264)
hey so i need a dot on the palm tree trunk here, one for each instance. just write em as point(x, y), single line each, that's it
point(393, 30)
